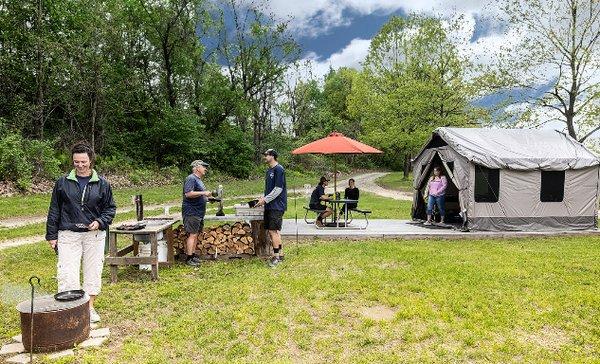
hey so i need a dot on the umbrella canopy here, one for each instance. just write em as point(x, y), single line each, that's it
point(336, 143)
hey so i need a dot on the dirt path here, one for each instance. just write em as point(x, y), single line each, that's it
point(365, 182)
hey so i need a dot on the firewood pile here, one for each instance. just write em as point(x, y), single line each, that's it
point(225, 239)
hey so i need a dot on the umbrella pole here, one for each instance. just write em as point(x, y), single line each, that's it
point(335, 189)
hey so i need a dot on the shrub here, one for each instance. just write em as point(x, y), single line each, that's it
point(22, 160)
point(14, 165)
point(229, 151)
point(46, 164)
point(114, 164)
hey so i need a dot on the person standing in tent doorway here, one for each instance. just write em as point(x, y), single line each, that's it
point(436, 188)
point(275, 203)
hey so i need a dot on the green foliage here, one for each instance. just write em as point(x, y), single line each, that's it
point(229, 151)
point(43, 159)
point(21, 160)
point(114, 164)
point(14, 165)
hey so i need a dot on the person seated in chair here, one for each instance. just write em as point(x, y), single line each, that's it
point(317, 198)
point(350, 193)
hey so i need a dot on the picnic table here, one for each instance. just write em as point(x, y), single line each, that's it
point(154, 227)
point(334, 205)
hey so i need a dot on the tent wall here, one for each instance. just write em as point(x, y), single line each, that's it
point(519, 206)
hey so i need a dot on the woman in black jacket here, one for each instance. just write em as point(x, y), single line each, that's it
point(81, 209)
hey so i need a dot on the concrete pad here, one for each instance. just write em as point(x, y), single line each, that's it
point(92, 342)
point(61, 354)
point(103, 332)
point(18, 338)
point(19, 359)
point(405, 229)
point(14, 348)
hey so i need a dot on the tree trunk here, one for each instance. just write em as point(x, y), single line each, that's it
point(171, 97)
point(406, 169)
point(39, 77)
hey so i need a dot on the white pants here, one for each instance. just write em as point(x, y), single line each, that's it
point(72, 247)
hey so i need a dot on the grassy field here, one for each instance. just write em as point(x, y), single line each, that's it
point(395, 181)
point(535, 300)
point(383, 208)
point(37, 204)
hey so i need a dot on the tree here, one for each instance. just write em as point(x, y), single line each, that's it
point(257, 51)
point(412, 82)
point(171, 27)
point(558, 53)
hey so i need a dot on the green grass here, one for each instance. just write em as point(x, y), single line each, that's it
point(529, 300)
point(383, 208)
point(37, 204)
point(395, 181)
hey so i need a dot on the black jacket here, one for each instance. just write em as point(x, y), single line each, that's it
point(70, 206)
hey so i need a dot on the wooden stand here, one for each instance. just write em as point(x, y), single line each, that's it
point(262, 246)
point(262, 243)
point(118, 257)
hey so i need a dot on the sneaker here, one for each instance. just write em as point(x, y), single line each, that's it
point(94, 317)
point(196, 258)
point(273, 262)
point(427, 223)
point(192, 263)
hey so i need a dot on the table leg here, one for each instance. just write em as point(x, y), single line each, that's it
point(112, 252)
point(154, 255)
point(345, 215)
point(170, 240)
point(136, 246)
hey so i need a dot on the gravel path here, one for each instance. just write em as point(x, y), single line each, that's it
point(366, 182)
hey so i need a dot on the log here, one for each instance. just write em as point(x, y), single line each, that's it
point(236, 238)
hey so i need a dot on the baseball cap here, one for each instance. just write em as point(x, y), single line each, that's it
point(272, 152)
point(198, 163)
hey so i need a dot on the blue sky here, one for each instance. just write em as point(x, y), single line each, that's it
point(366, 26)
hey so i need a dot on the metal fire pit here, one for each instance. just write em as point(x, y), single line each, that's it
point(56, 325)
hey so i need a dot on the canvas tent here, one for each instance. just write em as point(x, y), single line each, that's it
point(511, 179)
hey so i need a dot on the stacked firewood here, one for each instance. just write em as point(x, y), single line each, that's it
point(224, 239)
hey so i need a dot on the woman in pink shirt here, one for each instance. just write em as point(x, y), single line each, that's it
point(437, 191)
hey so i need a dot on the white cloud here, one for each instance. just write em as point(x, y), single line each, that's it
point(314, 17)
point(352, 55)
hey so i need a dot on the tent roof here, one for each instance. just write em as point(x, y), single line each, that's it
point(519, 149)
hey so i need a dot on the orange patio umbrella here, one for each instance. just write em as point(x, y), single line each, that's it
point(336, 143)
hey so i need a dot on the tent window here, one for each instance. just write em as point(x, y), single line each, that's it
point(487, 184)
point(553, 186)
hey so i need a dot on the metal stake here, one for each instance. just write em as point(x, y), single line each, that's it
point(31, 279)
